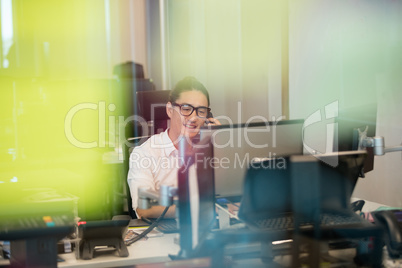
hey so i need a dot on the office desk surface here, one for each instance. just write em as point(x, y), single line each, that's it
point(153, 250)
point(369, 206)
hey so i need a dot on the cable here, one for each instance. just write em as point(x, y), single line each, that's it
point(149, 229)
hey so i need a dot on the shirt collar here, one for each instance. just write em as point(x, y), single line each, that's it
point(166, 140)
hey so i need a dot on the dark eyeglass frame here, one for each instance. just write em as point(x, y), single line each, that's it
point(192, 109)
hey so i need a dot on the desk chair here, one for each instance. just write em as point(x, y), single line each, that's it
point(131, 74)
point(151, 106)
point(128, 147)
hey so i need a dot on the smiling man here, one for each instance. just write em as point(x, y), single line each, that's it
point(156, 162)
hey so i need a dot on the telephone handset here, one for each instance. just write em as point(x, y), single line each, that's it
point(391, 220)
point(210, 115)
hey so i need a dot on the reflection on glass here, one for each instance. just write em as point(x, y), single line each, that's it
point(6, 29)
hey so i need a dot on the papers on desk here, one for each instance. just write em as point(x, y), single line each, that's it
point(136, 231)
point(230, 213)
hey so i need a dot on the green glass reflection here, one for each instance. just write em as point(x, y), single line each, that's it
point(60, 107)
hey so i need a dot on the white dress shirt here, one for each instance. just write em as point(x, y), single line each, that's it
point(152, 164)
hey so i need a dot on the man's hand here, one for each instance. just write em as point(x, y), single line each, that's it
point(233, 208)
point(156, 211)
point(212, 122)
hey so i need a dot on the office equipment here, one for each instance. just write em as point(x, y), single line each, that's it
point(106, 233)
point(157, 250)
point(34, 220)
point(378, 145)
point(391, 221)
point(149, 229)
point(148, 197)
point(150, 251)
point(210, 115)
point(133, 233)
point(357, 206)
point(196, 198)
point(25, 227)
point(268, 191)
point(237, 145)
point(138, 223)
point(353, 124)
point(318, 190)
point(307, 197)
point(166, 226)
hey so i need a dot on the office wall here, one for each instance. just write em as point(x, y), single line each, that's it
point(154, 44)
point(341, 54)
point(348, 53)
point(234, 48)
point(75, 39)
point(129, 32)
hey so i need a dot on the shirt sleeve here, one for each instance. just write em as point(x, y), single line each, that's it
point(139, 173)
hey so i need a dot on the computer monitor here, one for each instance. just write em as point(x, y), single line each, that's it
point(236, 145)
point(349, 123)
point(34, 220)
point(196, 192)
point(268, 189)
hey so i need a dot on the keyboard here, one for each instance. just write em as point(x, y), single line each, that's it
point(35, 226)
point(327, 220)
point(166, 226)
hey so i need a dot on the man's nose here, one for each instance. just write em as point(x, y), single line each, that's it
point(192, 117)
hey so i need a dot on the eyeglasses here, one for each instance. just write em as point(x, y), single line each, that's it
point(187, 109)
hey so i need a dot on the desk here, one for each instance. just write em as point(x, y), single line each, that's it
point(281, 254)
point(153, 250)
point(157, 249)
point(368, 205)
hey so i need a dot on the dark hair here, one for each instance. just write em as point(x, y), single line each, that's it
point(188, 83)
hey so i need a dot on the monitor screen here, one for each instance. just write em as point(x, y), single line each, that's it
point(236, 145)
point(196, 193)
point(268, 190)
point(349, 123)
point(338, 179)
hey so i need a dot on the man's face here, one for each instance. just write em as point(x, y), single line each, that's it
point(188, 126)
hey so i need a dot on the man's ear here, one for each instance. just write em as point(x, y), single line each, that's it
point(169, 109)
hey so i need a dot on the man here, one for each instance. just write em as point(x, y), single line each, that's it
point(156, 161)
